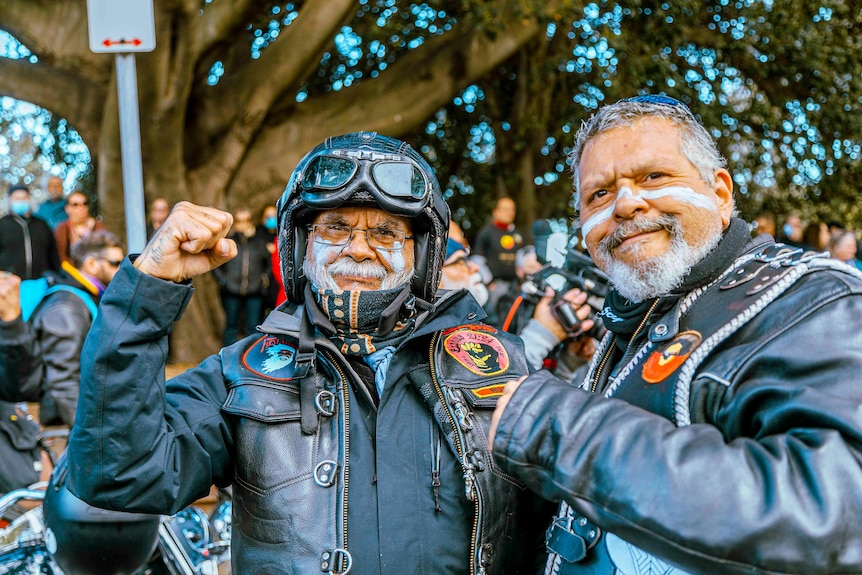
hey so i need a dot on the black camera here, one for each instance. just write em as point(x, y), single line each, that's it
point(564, 268)
point(580, 272)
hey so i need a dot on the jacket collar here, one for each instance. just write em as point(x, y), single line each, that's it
point(450, 308)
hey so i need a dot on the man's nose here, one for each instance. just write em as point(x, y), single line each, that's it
point(358, 247)
point(629, 202)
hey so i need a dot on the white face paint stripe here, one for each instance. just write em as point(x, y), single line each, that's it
point(395, 258)
point(597, 219)
point(679, 193)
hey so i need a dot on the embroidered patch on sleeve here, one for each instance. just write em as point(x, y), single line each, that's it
point(494, 390)
point(479, 352)
point(665, 360)
point(270, 357)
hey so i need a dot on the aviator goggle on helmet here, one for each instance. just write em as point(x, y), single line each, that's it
point(364, 169)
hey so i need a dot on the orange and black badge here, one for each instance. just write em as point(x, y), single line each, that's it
point(670, 356)
point(481, 353)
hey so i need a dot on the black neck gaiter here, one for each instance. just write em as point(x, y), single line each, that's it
point(623, 317)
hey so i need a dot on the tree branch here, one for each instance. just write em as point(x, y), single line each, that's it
point(221, 20)
point(269, 78)
point(63, 94)
point(56, 31)
point(394, 103)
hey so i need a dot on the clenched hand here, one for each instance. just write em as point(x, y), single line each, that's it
point(191, 242)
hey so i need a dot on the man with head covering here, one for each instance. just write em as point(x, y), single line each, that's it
point(352, 426)
point(718, 429)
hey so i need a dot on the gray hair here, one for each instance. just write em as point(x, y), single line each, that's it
point(528, 251)
point(695, 142)
point(93, 245)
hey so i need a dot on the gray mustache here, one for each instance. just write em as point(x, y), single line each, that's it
point(349, 267)
point(639, 226)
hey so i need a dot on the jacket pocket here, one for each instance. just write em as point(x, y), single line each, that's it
point(271, 451)
point(278, 469)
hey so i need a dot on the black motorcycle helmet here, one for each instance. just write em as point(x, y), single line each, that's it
point(85, 540)
point(364, 169)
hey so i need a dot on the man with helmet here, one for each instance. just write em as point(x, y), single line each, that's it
point(353, 426)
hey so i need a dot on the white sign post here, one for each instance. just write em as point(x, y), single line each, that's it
point(124, 27)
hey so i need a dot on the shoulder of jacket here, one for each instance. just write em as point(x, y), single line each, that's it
point(267, 356)
point(479, 356)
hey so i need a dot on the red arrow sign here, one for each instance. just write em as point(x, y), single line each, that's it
point(107, 42)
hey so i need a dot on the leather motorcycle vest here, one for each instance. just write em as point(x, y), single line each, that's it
point(658, 378)
point(291, 476)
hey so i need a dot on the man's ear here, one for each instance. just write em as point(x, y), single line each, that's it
point(724, 195)
point(89, 266)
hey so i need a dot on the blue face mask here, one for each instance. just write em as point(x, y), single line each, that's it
point(271, 223)
point(19, 207)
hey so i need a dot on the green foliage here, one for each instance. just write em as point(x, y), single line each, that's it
point(34, 144)
point(778, 83)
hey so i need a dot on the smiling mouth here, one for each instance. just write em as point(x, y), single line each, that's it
point(356, 279)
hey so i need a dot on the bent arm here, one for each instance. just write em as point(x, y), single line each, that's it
point(773, 482)
point(63, 323)
point(139, 443)
point(21, 365)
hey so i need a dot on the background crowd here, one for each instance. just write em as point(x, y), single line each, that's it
point(38, 240)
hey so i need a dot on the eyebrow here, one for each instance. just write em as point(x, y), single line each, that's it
point(386, 223)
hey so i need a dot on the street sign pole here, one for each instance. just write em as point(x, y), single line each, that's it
point(130, 147)
point(123, 27)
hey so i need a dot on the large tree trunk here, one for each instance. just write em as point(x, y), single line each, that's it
point(237, 142)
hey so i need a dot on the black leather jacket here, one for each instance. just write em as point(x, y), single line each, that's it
point(40, 360)
point(322, 478)
point(738, 454)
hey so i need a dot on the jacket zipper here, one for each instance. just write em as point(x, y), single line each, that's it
point(28, 247)
point(345, 397)
point(469, 476)
point(595, 383)
point(246, 255)
point(612, 345)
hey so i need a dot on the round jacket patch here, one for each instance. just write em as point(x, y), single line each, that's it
point(479, 352)
point(665, 360)
point(270, 357)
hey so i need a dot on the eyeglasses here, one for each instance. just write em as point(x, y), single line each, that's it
point(397, 183)
point(458, 262)
point(377, 238)
point(77, 204)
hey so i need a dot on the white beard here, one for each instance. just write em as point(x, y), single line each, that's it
point(323, 277)
point(660, 275)
point(478, 289)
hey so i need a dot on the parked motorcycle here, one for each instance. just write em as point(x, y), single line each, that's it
point(65, 536)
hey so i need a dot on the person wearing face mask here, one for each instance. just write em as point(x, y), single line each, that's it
point(268, 229)
point(27, 245)
point(244, 279)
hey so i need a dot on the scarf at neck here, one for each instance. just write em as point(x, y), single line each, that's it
point(623, 317)
point(367, 321)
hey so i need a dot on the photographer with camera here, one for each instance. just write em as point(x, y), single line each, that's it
point(554, 302)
